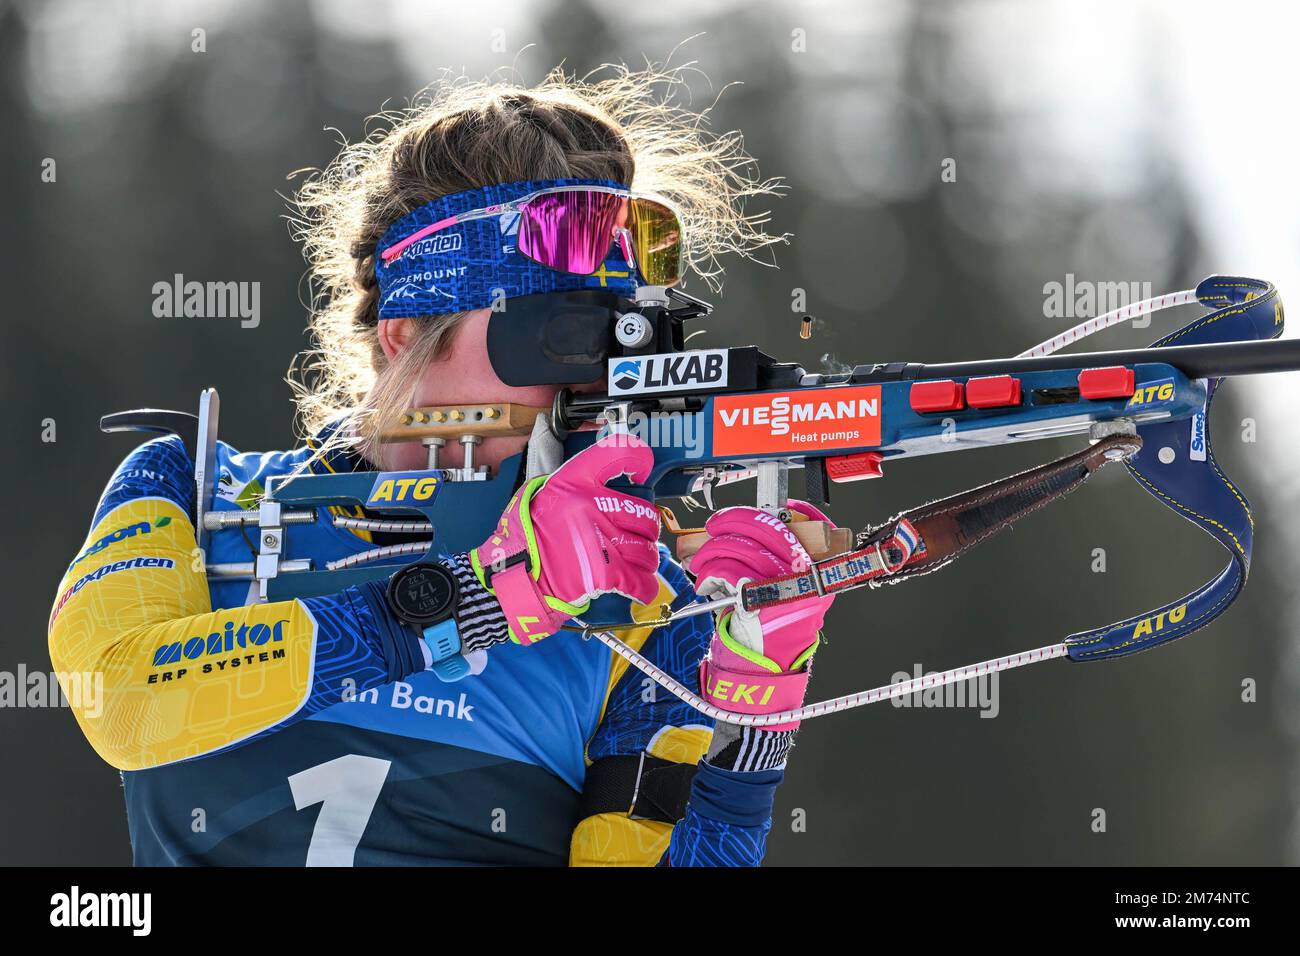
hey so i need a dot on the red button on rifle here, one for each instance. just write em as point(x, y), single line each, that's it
point(1115, 381)
point(992, 391)
point(941, 396)
point(864, 464)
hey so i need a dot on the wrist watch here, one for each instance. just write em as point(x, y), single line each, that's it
point(423, 596)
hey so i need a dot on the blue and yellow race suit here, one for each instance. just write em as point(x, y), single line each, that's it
point(308, 732)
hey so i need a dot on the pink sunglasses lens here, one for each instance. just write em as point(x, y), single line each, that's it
point(570, 231)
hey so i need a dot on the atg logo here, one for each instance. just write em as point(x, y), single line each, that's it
point(1148, 626)
point(403, 487)
point(1153, 393)
point(670, 372)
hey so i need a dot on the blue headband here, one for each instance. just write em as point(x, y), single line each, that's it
point(473, 264)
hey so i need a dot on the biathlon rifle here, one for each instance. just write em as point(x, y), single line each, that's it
point(715, 416)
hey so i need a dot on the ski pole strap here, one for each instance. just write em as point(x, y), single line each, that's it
point(926, 538)
point(1176, 465)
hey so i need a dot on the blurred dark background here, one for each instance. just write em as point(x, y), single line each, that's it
point(1107, 142)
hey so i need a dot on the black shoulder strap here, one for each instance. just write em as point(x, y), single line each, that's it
point(643, 787)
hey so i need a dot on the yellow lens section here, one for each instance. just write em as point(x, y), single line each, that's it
point(657, 238)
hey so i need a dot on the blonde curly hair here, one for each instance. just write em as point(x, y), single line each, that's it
point(460, 134)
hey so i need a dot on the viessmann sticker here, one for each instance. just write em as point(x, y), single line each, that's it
point(796, 421)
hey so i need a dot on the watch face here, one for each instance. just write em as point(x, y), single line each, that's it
point(422, 593)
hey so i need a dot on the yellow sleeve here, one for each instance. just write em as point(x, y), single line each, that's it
point(152, 673)
point(613, 839)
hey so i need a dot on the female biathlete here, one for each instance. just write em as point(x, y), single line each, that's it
point(328, 730)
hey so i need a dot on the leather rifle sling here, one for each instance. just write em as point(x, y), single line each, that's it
point(928, 537)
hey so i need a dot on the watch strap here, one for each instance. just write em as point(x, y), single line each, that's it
point(443, 641)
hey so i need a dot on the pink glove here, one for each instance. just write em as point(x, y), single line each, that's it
point(566, 538)
point(758, 663)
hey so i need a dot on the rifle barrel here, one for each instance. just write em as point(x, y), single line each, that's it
point(1195, 361)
